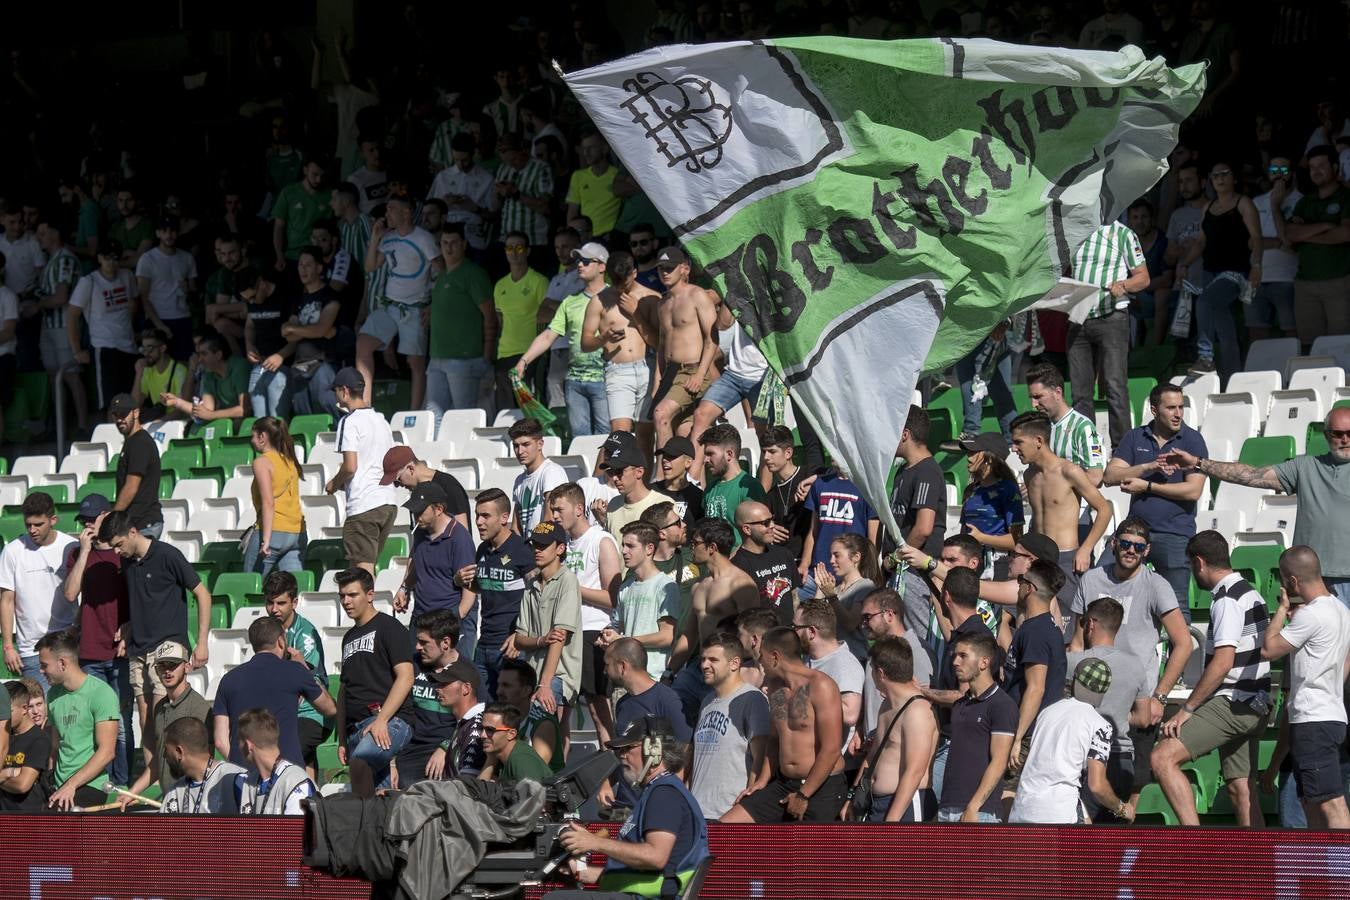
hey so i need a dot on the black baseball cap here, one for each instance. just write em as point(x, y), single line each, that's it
point(1041, 547)
point(424, 495)
point(459, 670)
point(546, 533)
point(639, 730)
point(670, 257)
point(622, 459)
point(619, 441)
point(677, 446)
point(349, 378)
point(121, 406)
point(988, 442)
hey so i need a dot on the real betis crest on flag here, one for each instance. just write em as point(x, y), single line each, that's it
point(871, 209)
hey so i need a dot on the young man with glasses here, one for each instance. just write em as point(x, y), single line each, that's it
point(883, 616)
point(508, 757)
point(157, 373)
point(1034, 667)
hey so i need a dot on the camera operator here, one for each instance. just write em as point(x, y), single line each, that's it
point(664, 837)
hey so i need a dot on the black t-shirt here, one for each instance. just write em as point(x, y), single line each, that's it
point(157, 586)
point(29, 750)
point(308, 311)
point(267, 318)
point(789, 512)
point(1036, 641)
point(140, 456)
point(500, 579)
point(775, 574)
point(369, 654)
point(688, 500)
point(920, 486)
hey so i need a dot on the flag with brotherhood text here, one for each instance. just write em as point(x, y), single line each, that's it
point(870, 210)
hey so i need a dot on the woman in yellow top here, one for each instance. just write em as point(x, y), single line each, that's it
point(278, 536)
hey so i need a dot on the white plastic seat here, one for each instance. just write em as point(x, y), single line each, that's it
point(81, 467)
point(1197, 389)
point(1271, 353)
point(389, 580)
point(1120, 502)
point(1336, 345)
point(507, 417)
point(175, 514)
point(94, 450)
point(319, 513)
point(588, 447)
point(1245, 499)
point(239, 488)
point(68, 480)
point(245, 616)
point(502, 474)
point(416, 424)
point(328, 582)
point(460, 423)
point(322, 610)
point(327, 457)
point(1259, 385)
point(1277, 512)
point(13, 488)
point(200, 681)
point(1226, 522)
point(574, 466)
point(195, 489)
point(331, 638)
point(1324, 380)
point(467, 471)
point(34, 467)
point(106, 433)
point(163, 432)
point(228, 647)
point(312, 480)
point(483, 451)
point(1251, 538)
point(1291, 412)
point(1229, 420)
point(189, 543)
point(210, 521)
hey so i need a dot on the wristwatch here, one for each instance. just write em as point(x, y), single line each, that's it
point(1119, 811)
point(932, 564)
point(1161, 698)
point(799, 793)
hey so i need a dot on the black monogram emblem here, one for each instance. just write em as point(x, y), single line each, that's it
point(683, 117)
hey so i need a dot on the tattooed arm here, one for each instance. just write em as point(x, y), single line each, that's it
point(1232, 472)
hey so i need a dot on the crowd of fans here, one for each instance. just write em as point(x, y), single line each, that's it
point(474, 235)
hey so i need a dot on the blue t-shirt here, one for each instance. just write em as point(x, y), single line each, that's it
point(1163, 515)
point(993, 509)
point(840, 508)
point(1036, 642)
point(501, 584)
point(435, 560)
point(266, 682)
point(659, 700)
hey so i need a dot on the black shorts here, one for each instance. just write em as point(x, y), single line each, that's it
point(1317, 759)
point(766, 805)
point(593, 680)
point(922, 808)
point(312, 734)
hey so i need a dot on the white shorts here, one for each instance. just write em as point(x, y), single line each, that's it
point(55, 349)
point(627, 388)
point(404, 321)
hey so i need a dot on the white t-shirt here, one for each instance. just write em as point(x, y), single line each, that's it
point(531, 488)
point(1320, 634)
point(1276, 264)
point(169, 275)
point(9, 309)
point(367, 433)
point(847, 672)
point(107, 308)
point(743, 357)
point(583, 559)
point(373, 187)
point(24, 260)
point(408, 258)
point(595, 489)
point(479, 186)
point(37, 577)
point(1068, 733)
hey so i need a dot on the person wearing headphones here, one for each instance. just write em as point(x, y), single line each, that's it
point(664, 839)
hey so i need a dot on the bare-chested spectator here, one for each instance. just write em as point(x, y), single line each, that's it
point(688, 315)
point(621, 322)
point(1056, 489)
point(805, 751)
point(751, 626)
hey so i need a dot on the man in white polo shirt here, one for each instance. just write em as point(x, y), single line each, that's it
point(364, 436)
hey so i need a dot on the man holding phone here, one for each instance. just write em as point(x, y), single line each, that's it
point(467, 189)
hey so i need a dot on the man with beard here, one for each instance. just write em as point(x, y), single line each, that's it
point(1184, 223)
point(771, 566)
point(643, 244)
point(688, 317)
point(204, 784)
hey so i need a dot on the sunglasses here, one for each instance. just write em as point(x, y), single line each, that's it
point(490, 730)
point(516, 251)
point(765, 522)
point(1279, 170)
point(1221, 173)
point(1136, 546)
point(581, 260)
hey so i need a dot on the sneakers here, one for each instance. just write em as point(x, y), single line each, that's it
point(1202, 366)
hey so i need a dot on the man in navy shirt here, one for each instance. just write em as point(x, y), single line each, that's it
point(1034, 669)
point(1165, 502)
point(445, 549)
point(267, 681)
point(983, 719)
point(626, 666)
point(498, 576)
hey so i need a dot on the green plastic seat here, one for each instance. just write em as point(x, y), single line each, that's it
point(396, 545)
point(206, 571)
point(225, 556)
point(942, 427)
point(237, 586)
point(36, 388)
point(1266, 451)
point(214, 430)
point(215, 473)
point(11, 526)
point(186, 445)
point(58, 492)
point(182, 460)
point(220, 616)
point(388, 397)
point(1153, 805)
point(4, 465)
point(1154, 361)
point(304, 428)
point(167, 480)
point(325, 556)
point(104, 483)
point(1317, 440)
point(304, 580)
point(1259, 564)
point(227, 456)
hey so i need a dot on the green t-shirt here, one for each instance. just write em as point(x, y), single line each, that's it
point(226, 388)
point(284, 169)
point(531, 724)
point(132, 238)
point(229, 283)
point(518, 302)
point(301, 211)
point(524, 763)
point(303, 636)
point(75, 713)
point(1323, 262)
point(456, 318)
point(721, 499)
point(567, 321)
point(1323, 486)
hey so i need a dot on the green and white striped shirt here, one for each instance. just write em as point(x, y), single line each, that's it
point(440, 152)
point(1107, 256)
point(535, 180)
point(355, 237)
point(1074, 437)
point(62, 268)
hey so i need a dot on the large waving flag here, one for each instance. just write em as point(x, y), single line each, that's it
point(870, 209)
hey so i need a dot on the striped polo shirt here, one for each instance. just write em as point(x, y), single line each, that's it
point(1237, 619)
point(1074, 437)
point(62, 268)
point(355, 237)
point(1107, 256)
point(534, 180)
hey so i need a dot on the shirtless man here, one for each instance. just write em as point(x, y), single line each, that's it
point(622, 322)
point(687, 348)
point(805, 743)
point(725, 593)
point(1056, 489)
point(903, 750)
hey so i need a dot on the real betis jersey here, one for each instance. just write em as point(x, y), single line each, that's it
point(1074, 437)
point(303, 636)
point(62, 268)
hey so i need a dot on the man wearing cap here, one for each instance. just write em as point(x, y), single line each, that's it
point(687, 316)
point(444, 550)
point(402, 467)
point(95, 582)
point(627, 469)
point(181, 701)
point(457, 688)
point(1164, 499)
point(1071, 737)
point(403, 312)
point(107, 296)
point(363, 439)
point(664, 839)
point(587, 406)
point(165, 276)
point(621, 322)
point(548, 630)
point(677, 457)
point(32, 579)
point(138, 468)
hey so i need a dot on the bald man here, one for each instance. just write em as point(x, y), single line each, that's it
point(1322, 484)
point(1315, 628)
point(770, 566)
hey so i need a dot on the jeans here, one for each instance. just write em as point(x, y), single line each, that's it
point(488, 661)
point(365, 749)
point(1102, 346)
point(315, 394)
point(1000, 392)
point(940, 765)
point(155, 530)
point(454, 383)
point(1340, 587)
point(1272, 304)
point(1215, 325)
point(116, 673)
point(587, 407)
point(286, 547)
point(32, 670)
point(1167, 555)
point(267, 392)
point(952, 814)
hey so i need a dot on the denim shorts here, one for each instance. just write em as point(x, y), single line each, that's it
point(731, 389)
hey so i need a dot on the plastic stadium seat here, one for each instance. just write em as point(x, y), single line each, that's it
point(319, 513)
point(195, 489)
point(11, 526)
point(225, 555)
point(494, 433)
point(460, 423)
point(1229, 420)
point(575, 466)
point(328, 582)
point(329, 555)
point(87, 450)
point(326, 457)
point(181, 460)
point(1316, 443)
point(200, 681)
point(1278, 512)
point(220, 428)
point(227, 647)
point(227, 456)
point(104, 483)
point(239, 488)
point(1246, 500)
point(322, 610)
point(245, 616)
point(1271, 353)
point(106, 433)
point(164, 432)
point(1266, 451)
point(332, 647)
point(33, 467)
point(212, 521)
point(501, 473)
point(1261, 563)
point(1335, 345)
point(305, 428)
point(1197, 389)
point(1259, 385)
point(189, 543)
point(1323, 380)
point(389, 580)
point(467, 471)
point(507, 417)
point(417, 425)
point(69, 481)
point(1291, 413)
point(59, 493)
point(1226, 522)
point(13, 488)
point(588, 447)
point(396, 545)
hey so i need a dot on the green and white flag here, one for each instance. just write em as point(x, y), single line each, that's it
point(872, 209)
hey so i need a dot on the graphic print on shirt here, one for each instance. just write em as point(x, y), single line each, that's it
point(364, 644)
